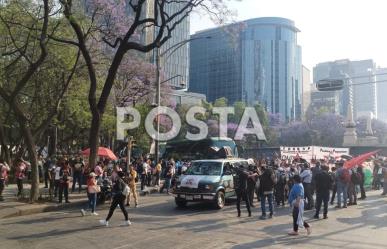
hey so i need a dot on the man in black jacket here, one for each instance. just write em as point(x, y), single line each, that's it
point(240, 183)
point(323, 184)
point(251, 184)
point(267, 182)
point(362, 190)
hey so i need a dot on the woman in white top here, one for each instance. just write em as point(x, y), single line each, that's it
point(92, 190)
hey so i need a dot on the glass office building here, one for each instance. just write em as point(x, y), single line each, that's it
point(174, 63)
point(255, 61)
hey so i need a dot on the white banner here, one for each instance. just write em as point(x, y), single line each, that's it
point(312, 152)
point(190, 181)
point(328, 153)
point(291, 153)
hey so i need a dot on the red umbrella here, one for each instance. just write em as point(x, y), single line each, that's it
point(103, 152)
point(359, 159)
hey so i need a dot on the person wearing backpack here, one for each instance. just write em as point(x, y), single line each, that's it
point(118, 199)
point(355, 181)
point(343, 179)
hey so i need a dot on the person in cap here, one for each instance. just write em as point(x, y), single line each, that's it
point(92, 190)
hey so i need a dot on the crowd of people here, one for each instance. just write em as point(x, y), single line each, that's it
point(276, 182)
point(305, 186)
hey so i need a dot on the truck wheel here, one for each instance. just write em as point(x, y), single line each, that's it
point(219, 200)
point(180, 203)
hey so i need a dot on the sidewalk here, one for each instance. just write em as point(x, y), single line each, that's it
point(12, 207)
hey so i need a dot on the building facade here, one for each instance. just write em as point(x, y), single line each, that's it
point(255, 61)
point(381, 79)
point(187, 98)
point(328, 100)
point(174, 62)
point(307, 88)
point(359, 73)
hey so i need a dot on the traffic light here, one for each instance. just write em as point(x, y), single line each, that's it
point(330, 85)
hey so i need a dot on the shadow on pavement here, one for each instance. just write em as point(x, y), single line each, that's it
point(373, 215)
point(52, 233)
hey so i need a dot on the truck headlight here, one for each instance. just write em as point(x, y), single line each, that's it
point(208, 187)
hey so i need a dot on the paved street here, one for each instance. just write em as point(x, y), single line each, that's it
point(158, 224)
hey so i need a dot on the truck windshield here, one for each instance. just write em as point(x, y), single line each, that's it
point(205, 168)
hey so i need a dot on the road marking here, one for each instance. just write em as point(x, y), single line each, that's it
point(123, 246)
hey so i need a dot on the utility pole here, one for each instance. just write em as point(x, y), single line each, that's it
point(130, 141)
point(157, 101)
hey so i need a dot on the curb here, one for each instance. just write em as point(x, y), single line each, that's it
point(39, 208)
point(28, 209)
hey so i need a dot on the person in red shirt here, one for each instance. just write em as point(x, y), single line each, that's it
point(4, 169)
point(65, 174)
point(20, 174)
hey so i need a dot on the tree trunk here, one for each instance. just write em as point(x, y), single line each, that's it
point(5, 153)
point(30, 144)
point(94, 138)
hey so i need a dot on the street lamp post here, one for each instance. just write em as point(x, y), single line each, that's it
point(157, 101)
point(170, 50)
point(129, 152)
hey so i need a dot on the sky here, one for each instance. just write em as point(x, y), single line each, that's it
point(330, 29)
